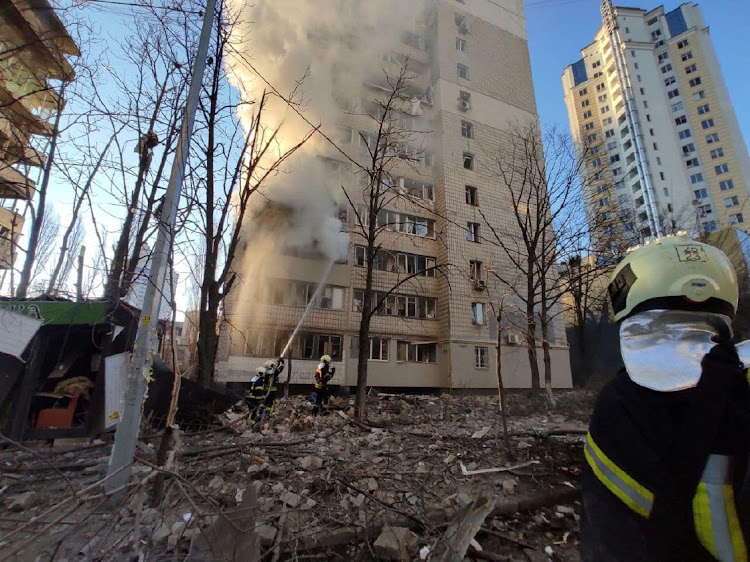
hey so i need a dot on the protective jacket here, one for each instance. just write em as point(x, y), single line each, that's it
point(270, 387)
point(323, 374)
point(255, 395)
point(664, 470)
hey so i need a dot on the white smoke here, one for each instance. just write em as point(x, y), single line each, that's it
point(335, 45)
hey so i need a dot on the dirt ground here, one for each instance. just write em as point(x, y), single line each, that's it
point(408, 485)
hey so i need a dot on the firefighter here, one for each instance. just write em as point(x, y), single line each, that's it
point(323, 374)
point(667, 448)
point(255, 394)
point(270, 390)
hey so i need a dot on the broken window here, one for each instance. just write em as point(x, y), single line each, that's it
point(475, 270)
point(378, 349)
point(471, 196)
point(477, 313)
point(416, 353)
point(468, 161)
point(472, 232)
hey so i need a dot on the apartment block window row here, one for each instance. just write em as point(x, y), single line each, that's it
point(300, 294)
point(305, 345)
point(410, 352)
point(400, 222)
point(404, 306)
point(397, 262)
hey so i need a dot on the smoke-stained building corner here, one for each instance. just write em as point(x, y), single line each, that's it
point(471, 79)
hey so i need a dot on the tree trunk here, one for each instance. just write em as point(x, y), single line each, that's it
point(531, 349)
point(38, 219)
point(547, 358)
point(208, 341)
point(500, 386)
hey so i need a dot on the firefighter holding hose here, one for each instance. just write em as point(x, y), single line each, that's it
point(323, 375)
point(270, 388)
point(667, 448)
point(255, 394)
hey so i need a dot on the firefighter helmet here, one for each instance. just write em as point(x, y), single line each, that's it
point(260, 371)
point(269, 364)
point(674, 273)
point(325, 359)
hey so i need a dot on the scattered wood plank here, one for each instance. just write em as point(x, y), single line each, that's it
point(462, 531)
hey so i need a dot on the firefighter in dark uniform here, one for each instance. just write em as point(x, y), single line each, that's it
point(270, 390)
point(667, 448)
point(255, 394)
point(323, 375)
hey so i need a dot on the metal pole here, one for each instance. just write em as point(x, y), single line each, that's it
point(126, 436)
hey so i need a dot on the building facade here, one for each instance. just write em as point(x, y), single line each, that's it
point(473, 78)
point(33, 49)
point(650, 108)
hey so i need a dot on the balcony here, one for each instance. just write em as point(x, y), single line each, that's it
point(11, 225)
point(13, 184)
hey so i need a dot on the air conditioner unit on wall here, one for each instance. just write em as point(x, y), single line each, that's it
point(462, 29)
point(513, 339)
point(480, 285)
point(464, 105)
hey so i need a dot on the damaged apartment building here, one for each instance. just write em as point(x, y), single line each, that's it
point(472, 80)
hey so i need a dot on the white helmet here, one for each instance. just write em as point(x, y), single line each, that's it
point(260, 371)
point(325, 359)
point(269, 364)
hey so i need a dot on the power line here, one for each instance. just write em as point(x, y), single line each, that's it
point(147, 6)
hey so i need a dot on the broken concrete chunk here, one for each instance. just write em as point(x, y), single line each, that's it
point(463, 499)
point(396, 543)
point(565, 509)
point(266, 534)
point(481, 433)
point(358, 500)
point(161, 535)
point(311, 461)
point(216, 483)
point(291, 499)
point(372, 484)
point(24, 501)
point(509, 486)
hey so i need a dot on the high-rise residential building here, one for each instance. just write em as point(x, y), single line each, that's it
point(33, 48)
point(664, 150)
point(436, 331)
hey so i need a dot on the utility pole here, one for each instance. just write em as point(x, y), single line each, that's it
point(126, 435)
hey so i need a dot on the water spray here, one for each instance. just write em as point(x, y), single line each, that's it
point(310, 304)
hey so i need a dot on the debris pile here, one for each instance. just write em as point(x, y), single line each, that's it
point(426, 478)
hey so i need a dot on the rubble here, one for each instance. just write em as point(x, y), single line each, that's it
point(22, 502)
point(329, 487)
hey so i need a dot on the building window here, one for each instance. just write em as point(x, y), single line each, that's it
point(605, 109)
point(460, 44)
point(666, 68)
point(416, 353)
point(712, 138)
point(459, 20)
point(467, 130)
point(731, 201)
point(604, 202)
point(701, 193)
point(588, 126)
point(681, 120)
point(699, 95)
point(475, 270)
point(596, 162)
point(704, 210)
point(477, 313)
point(612, 145)
point(696, 178)
point(587, 114)
point(615, 158)
point(687, 56)
point(591, 138)
point(688, 148)
point(692, 163)
point(472, 232)
point(685, 134)
point(677, 107)
point(462, 71)
point(690, 69)
point(718, 153)
point(658, 160)
point(736, 219)
point(669, 81)
point(602, 98)
point(721, 169)
point(617, 171)
point(480, 357)
point(609, 133)
point(726, 185)
point(673, 93)
point(707, 124)
point(682, 44)
point(468, 161)
point(709, 226)
point(585, 103)
point(583, 91)
point(703, 109)
point(594, 150)
point(378, 349)
point(695, 82)
point(472, 196)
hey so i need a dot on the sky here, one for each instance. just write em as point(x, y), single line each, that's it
point(558, 29)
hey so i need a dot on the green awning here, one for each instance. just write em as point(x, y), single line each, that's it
point(60, 313)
